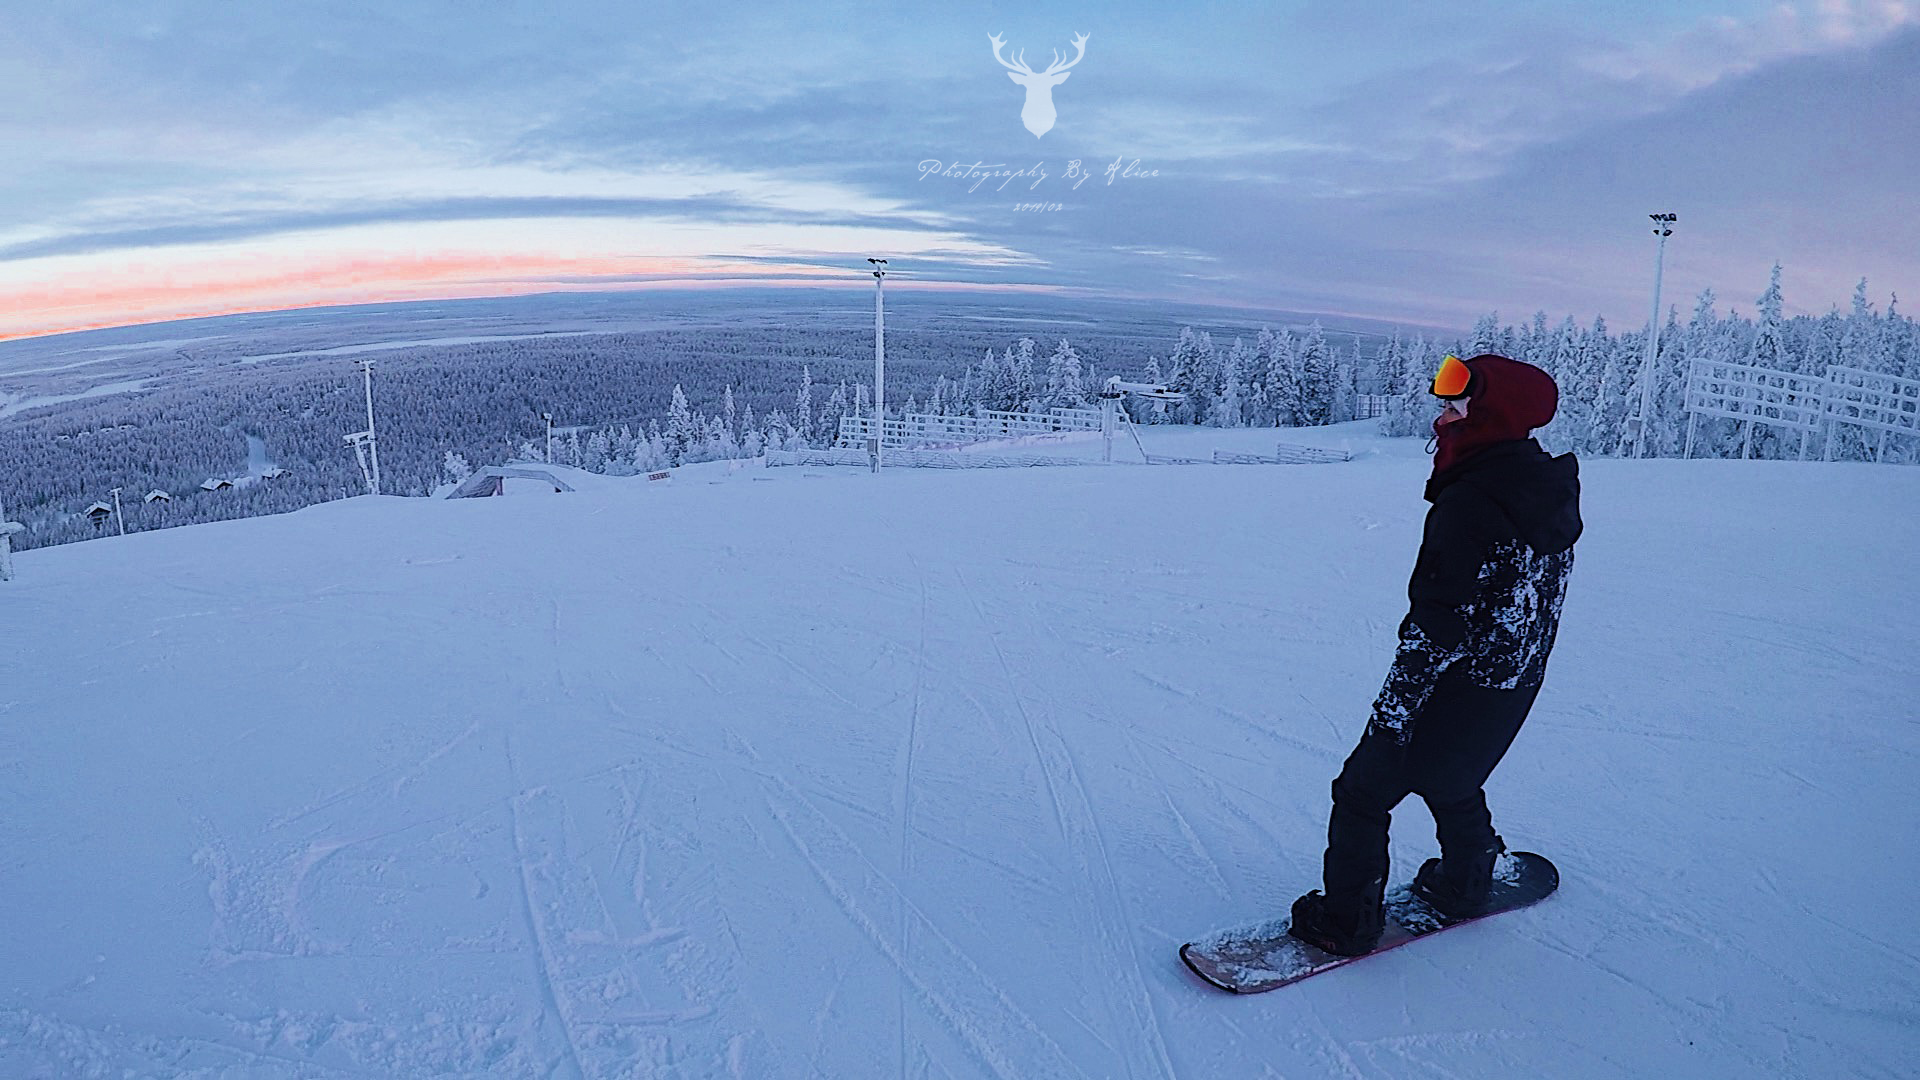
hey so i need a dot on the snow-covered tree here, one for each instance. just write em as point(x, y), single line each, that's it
point(1187, 374)
point(1150, 412)
point(1316, 377)
point(593, 455)
point(830, 417)
point(1410, 412)
point(803, 405)
point(1064, 390)
point(680, 431)
point(1283, 382)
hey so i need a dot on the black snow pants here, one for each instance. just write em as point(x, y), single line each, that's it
point(1461, 733)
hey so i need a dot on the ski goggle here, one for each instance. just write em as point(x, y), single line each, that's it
point(1454, 380)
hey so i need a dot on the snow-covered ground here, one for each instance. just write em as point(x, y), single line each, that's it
point(10, 404)
point(811, 772)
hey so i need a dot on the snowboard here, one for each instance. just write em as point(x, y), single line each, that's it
point(1261, 957)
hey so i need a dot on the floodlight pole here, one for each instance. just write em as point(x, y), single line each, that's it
point(119, 518)
point(876, 448)
point(548, 417)
point(373, 440)
point(1662, 228)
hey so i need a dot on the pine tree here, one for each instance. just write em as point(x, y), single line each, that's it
point(680, 431)
point(803, 405)
point(1486, 335)
point(1770, 351)
point(835, 411)
point(1769, 344)
point(1225, 410)
point(965, 401)
point(720, 445)
point(1239, 371)
point(1064, 390)
point(1346, 385)
point(1026, 391)
point(1259, 406)
point(1184, 376)
point(1589, 373)
point(1405, 413)
point(1620, 357)
point(1316, 377)
point(1566, 431)
point(1156, 411)
point(593, 456)
point(1284, 380)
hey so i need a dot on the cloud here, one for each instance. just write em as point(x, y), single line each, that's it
point(1422, 161)
point(1464, 118)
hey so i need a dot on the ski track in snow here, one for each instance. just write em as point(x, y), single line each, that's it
point(1006, 1025)
point(1080, 829)
point(903, 802)
point(585, 965)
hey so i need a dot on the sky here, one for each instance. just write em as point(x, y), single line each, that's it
point(174, 158)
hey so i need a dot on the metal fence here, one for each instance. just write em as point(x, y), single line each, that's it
point(1810, 405)
point(1368, 406)
point(925, 429)
point(918, 459)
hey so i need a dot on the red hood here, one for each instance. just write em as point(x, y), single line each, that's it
point(1510, 399)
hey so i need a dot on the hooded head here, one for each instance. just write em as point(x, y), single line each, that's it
point(1509, 400)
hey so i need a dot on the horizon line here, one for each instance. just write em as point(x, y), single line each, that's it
point(716, 284)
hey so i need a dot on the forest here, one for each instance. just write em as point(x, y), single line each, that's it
point(639, 399)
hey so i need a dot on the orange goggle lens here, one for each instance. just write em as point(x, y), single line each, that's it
point(1453, 378)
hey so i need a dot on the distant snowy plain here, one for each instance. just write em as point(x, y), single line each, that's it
point(810, 772)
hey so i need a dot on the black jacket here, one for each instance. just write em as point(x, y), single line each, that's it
point(1489, 580)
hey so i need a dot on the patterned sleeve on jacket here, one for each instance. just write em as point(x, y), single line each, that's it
point(1417, 666)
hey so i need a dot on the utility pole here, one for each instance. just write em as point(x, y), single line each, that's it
point(879, 440)
point(7, 529)
point(364, 446)
point(1662, 228)
point(119, 518)
point(373, 440)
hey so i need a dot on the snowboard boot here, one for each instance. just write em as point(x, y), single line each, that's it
point(1459, 887)
point(1323, 924)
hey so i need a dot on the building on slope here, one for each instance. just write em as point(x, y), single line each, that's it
point(498, 479)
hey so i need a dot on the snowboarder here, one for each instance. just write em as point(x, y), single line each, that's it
point(1486, 592)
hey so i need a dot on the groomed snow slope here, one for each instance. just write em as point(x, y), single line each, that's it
point(808, 772)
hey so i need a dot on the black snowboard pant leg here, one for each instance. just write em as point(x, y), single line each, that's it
point(1461, 734)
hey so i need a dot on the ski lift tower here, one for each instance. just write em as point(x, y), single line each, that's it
point(1110, 397)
